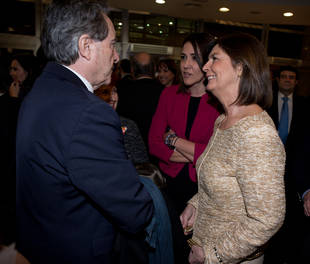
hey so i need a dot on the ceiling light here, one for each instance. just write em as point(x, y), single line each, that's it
point(224, 9)
point(288, 14)
point(120, 23)
point(170, 23)
point(160, 2)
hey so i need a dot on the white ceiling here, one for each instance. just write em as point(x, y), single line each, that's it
point(246, 11)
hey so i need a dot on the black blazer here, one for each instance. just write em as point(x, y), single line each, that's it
point(74, 183)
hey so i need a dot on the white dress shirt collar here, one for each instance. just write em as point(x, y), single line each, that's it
point(87, 84)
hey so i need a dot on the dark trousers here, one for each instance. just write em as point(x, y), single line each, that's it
point(177, 193)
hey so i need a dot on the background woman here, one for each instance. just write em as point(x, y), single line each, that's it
point(134, 144)
point(241, 202)
point(180, 131)
point(23, 70)
point(167, 72)
point(185, 111)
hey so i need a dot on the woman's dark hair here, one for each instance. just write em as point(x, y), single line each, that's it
point(201, 44)
point(171, 66)
point(27, 61)
point(30, 64)
point(255, 81)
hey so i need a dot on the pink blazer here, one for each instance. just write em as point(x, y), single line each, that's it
point(172, 111)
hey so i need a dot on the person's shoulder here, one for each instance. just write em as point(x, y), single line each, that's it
point(301, 100)
point(257, 126)
point(171, 90)
point(127, 122)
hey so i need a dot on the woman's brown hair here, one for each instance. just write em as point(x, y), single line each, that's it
point(255, 81)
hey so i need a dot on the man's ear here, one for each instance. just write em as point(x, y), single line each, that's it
point(85, 46)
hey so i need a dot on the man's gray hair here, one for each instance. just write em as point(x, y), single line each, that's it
point(66, 21)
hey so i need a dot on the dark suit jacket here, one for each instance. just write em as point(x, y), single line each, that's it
point(297, 115)
point(299, 168)
point(74, 183)
point(298, 122)
point(299, 162)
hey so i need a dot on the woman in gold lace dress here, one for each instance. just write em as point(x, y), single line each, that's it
point(240, 202)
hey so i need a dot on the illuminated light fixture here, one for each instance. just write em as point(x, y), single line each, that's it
point(159, 24)
point(224, 9)
point(288, 14)
point(170, 23)
point(147, 25)
point(160, 2)
point(160, 32)
point(120, 23)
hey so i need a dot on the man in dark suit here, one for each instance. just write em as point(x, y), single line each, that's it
point(75, 186)
point(142, 95)
point(280, 249)
point(123, 84)
point(125, 74)
point(300, 169)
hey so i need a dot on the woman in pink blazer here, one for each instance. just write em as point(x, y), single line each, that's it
point(183, 123)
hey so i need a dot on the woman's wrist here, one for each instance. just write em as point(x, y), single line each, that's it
point(170, 140)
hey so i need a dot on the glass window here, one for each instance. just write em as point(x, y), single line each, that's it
point(22, 20)
point(286, 45)
point(219, 29)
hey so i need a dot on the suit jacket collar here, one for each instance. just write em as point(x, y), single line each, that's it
point(63, 73)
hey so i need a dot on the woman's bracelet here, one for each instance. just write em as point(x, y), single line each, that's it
point(217, 255)
point(170, 139)
point(191, 242)
point(175, 141)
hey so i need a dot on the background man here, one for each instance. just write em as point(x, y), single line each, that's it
point(142, 95)
point(75, 185)
point(288, 113)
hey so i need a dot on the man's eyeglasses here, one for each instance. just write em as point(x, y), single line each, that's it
point(286, 76)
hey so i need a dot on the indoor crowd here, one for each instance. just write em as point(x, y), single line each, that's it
point(150, 160)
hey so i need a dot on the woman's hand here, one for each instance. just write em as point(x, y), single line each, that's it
point(14, 89)
point(188, 218)
point(196, 256)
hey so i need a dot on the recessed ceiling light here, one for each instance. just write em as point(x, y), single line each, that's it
point(160, 2)
point(288, 14)
point(224, 9)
